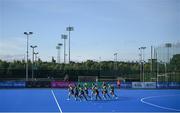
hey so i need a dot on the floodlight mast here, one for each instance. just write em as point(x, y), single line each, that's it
point(36, 53)
point(58, 47)
point(64, 37)
point(157, 65)
point(33, 60)
point(70, 28)
point(142, 62)
point(27, 34)
point(140, 65)
point(151, 59)
point(60, 44)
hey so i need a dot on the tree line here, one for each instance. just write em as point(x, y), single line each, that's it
point(128, 70)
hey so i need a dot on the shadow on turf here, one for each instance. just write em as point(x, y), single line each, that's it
point(108, 100)
point(122, 98)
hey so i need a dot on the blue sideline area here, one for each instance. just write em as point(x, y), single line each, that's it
point(130, 100)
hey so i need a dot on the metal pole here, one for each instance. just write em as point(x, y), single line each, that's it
point(33, 60)
point(69, 48)
point(167, 68)
point(57, 47)
point(59, 55)
point(143, 65)
point(99, 66)
point(70, 28)
point(64, 37)
point(140, 64)
point(27, 58)
point(157, 66)
point(168, 45)
point(27, 34)
point(139, 67)
point(36, 62)
point(165, 71)
point(36, 58)
point(151, 60)
point(64, 50)
point(32, 63)
point(59, 50)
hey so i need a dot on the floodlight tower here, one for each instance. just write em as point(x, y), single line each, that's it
point(157, 64)
point(64, 37)
point(58, 47)
point(60, 44)
point(33, 60)
point(70, 28)
point(142, 60)
point(152, 59)
point(140, 65)
point(27, 34)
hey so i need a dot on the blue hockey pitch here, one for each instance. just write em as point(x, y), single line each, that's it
point(55, 100)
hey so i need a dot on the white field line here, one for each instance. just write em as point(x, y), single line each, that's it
point(158, 106)
point(56, 101)
point(88, 112)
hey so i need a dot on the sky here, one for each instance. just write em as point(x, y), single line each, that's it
point(101, 27)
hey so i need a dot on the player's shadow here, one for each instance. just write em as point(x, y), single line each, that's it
point(122, 98)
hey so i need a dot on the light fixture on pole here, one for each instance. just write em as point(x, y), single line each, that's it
point(69, 29)
point(33, 60)
point(64, 37)
point(27, 34)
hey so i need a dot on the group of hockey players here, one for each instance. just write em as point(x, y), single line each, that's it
point(81, 92)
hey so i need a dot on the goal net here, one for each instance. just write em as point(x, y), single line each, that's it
point(87, 78)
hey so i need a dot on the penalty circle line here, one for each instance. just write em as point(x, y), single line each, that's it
point(158, 106)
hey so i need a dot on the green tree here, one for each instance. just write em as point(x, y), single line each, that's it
point(175, 63)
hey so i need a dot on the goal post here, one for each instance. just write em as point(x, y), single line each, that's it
point(89, 80)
